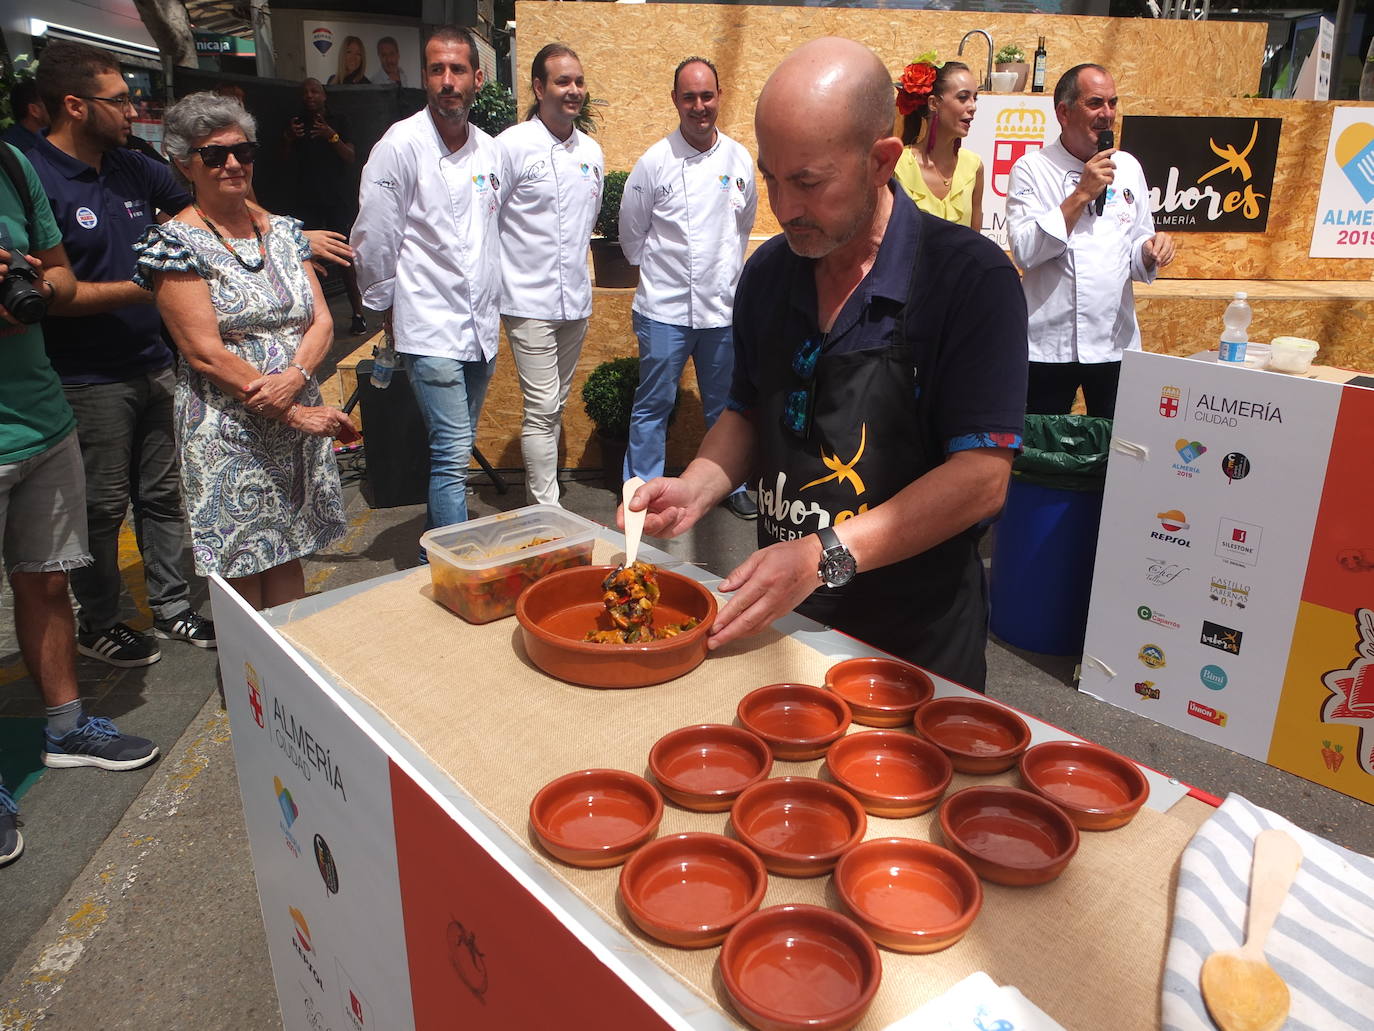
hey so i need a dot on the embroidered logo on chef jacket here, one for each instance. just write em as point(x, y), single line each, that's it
point(596, 170)
point(725, 182)
point(739, 185)
point(586, 169)
point(136, 208)
point(480, 181)
point(86, 219)
point(495, 183)
point(1128, 196)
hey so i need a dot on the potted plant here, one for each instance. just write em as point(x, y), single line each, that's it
point(1011, 58)
point(608, 260)
point(608, 397)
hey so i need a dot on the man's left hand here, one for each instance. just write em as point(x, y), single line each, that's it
point(770, 584)
point(1158, 250)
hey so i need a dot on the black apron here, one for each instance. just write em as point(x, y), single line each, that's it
point(871, 436)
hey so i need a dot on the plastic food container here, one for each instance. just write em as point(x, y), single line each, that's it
point(1292, 355)
point(479, 568)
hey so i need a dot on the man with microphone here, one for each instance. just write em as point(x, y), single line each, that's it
point(1078, 213)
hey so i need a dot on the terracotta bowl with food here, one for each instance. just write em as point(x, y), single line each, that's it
point(559, 612)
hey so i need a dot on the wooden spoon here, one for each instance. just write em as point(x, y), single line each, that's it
point(1242, 991)
point(634, 521)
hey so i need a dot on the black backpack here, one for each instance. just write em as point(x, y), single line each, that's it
point(10, 164)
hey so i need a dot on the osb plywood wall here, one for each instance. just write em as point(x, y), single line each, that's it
point(1281, 251)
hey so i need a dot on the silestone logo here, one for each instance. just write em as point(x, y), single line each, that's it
point(1152, 655)
point(1213, 677)
point(1156, 617)
point(1223, 638)
point(1237, 542)
point(1228, 592)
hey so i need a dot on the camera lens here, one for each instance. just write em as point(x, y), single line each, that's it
point(21, 298)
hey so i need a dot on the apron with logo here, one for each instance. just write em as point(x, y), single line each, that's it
point(870, 437)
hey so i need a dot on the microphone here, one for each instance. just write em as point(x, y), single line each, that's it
point(1105, 141)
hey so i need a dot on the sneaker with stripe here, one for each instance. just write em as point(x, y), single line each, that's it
point(11, 841)
point(96, 741)
point(121, 645)
point(190, 626)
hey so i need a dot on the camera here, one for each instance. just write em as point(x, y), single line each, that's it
point(19, 290)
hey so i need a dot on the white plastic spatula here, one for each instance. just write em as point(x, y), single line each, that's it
point(634, 521)
point(1242, 991)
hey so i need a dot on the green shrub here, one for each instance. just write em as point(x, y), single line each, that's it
point(494, 109)
point(1009, 53)
point(612, 190)
point(608, 396)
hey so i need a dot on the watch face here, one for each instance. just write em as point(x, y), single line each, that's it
point(838, 569)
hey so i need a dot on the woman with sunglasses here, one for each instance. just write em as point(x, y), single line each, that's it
point(238, 294)
point(943, 177)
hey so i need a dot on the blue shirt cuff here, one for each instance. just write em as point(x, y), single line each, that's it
point(969, 441)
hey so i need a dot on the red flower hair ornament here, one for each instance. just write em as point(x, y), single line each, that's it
point(918, 79)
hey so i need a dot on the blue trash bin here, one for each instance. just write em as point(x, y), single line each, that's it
point(1045, 542)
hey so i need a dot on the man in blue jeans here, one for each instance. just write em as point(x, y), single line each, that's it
point(42, 501)
point(428, 256)
point(685, 219)
point(107, 347)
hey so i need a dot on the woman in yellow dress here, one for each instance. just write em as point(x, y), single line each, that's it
point(943, 178)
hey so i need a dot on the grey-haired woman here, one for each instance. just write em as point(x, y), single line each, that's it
point(237, 292)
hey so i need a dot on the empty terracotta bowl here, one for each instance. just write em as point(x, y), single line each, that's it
point(891, 773)
point(706, 767)
point(789, 968)
point(556, 612)
point(798, 721)
point(880, 692)
point(689, 889)
point(979, 736)
point(1099, 789)
point(910, 895)
point(595, 818)
point(1007, 835)
point(800, 826)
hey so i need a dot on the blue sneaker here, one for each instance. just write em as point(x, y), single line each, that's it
point(96, 741)
point(11, 841)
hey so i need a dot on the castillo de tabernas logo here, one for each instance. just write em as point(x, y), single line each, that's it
point(1352, 695)
point(323, 39)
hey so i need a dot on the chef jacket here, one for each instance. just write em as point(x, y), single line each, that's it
point(426, 240)
point(1078, 284)
point(685, 221)
point(550, 197)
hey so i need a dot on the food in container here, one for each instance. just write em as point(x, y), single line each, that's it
point(1292, 355)
point(479, 568)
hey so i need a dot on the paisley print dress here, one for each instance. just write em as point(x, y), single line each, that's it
point(257, 492)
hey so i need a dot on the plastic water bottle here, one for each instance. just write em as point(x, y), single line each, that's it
point(1237, 331)
point(383, 363)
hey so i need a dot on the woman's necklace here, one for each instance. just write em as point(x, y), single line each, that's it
point(929, 163)
point(262, 247)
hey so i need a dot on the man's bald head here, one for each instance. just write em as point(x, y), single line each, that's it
point(831, 82)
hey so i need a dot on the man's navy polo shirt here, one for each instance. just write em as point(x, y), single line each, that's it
point(20, 137)
point(102, 214)
point(967, 330)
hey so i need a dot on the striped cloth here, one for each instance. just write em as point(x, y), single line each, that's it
point(1322, 943)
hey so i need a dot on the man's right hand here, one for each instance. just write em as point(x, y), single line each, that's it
point(4, 271)
point(670, 506)
point(1098, 173)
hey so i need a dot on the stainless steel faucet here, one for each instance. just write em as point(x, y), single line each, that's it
point(987, 73)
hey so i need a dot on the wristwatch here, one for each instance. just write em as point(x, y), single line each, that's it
point(837, 566)
point(334, 138)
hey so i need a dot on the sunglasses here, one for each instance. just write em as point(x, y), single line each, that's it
point(800, 405)
point(215, 155)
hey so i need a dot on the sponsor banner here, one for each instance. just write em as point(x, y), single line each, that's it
point(1344, 224)
point(390, 53)
point(1206, 175)
point(1005, 129)
point(1203, 549)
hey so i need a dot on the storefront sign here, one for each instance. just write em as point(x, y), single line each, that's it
point(1005, 129)
point(1206, 175)
point(1344, 225)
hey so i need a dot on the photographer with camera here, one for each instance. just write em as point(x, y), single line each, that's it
point(43, 488)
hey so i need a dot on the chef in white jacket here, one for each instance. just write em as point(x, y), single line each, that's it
point(1078, 263)
point(685, 218)
point(550, 195)
point(427, 255)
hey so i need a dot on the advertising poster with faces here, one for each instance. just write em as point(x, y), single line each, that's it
point(363, 53)
point(1344, 224)
point(1216, 484)
point(313, 782)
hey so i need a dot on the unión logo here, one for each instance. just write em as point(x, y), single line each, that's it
point(250, 675)
point(1147, 689)
point(1236, 466)
point(1174, 523)
point(1213, 677)
point(1156, 617)
point(1223, 638)
point(1206, 712)
point(1237, 542)
point(324, 859)
point(1169, 398)
point(1152, 655)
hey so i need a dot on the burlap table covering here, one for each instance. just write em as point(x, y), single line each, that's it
point(1088, 948)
